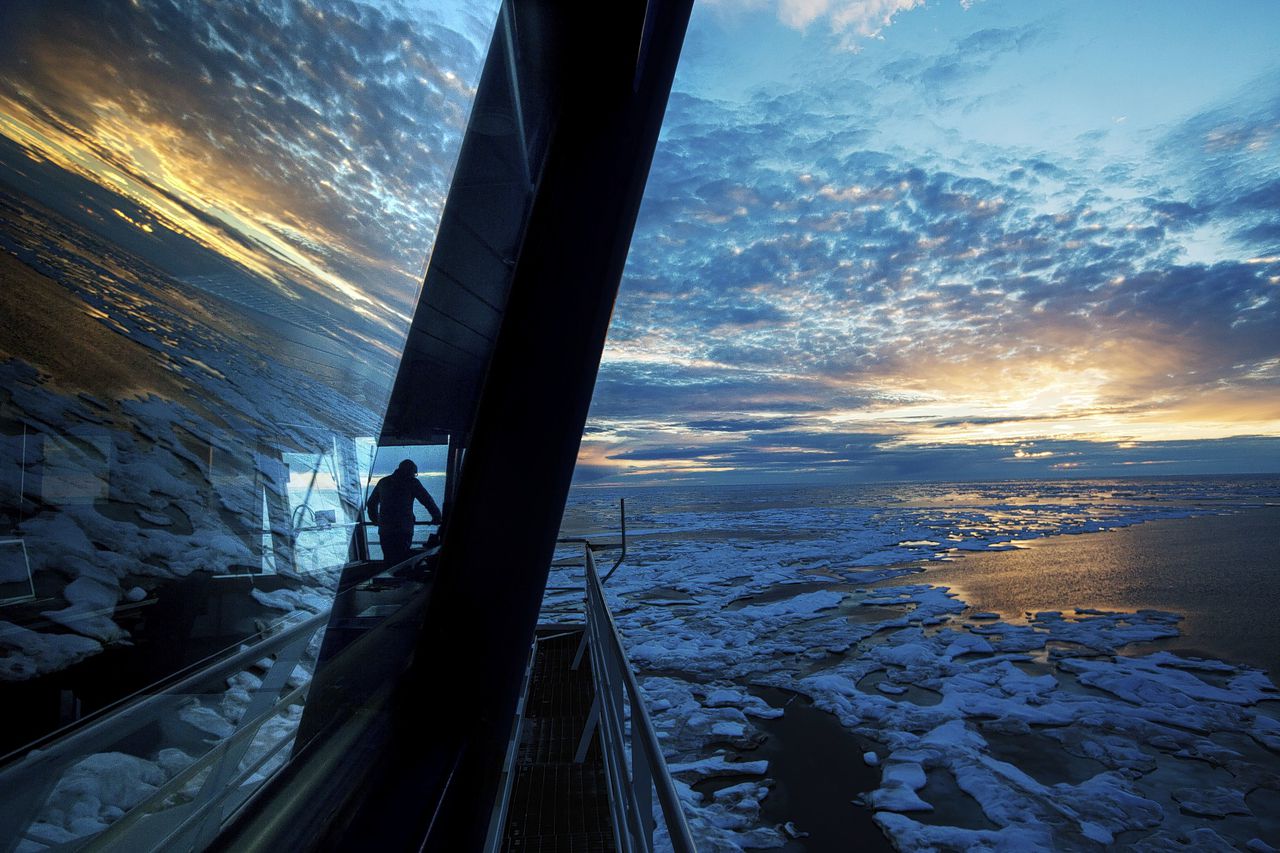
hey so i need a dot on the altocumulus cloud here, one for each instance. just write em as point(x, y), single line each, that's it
point(805, 298)
point(850, 20)
point(310, 143)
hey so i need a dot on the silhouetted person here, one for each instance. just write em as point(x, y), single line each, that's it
point(391, 508)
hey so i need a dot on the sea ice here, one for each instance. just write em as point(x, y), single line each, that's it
point(753, 706)
point(293, 599)
point(30, 653)
point(1200, 840)
point(91, 606)
point(971, 684)
point(207, 720)
point(95, 791)
point(718, 765)
point(1211, 802)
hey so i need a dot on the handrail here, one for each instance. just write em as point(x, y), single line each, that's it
point(117, 835)
point(118, 724)
point(25, 784)
point(582, 540)
point(634, 773)
point(163, 820)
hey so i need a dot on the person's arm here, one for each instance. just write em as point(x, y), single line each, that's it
point(424, 498)
point(375, 498)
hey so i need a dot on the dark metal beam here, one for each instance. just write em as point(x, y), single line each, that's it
point(593, 89)
point(495, 558)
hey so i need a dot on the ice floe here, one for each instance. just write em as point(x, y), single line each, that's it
point(31, 653)
point(1057, 731)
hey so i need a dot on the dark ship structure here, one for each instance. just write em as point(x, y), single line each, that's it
point(446, 711)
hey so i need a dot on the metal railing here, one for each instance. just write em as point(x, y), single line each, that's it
point(634, 765)
point(186, 811)
point(360, 535)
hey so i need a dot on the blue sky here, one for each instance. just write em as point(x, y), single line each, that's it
point(881, 239)
point(940, 240)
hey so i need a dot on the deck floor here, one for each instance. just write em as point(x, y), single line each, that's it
point(558, 806)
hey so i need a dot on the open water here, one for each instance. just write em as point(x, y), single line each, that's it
point(833, 596)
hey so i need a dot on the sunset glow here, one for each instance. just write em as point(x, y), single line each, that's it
point(954, 240)
point(880, 240)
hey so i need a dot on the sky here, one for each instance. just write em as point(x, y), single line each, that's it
point(899, 240)
point(303, 149)
point(881, 239)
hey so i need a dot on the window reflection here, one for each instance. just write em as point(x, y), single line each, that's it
point(431, 461)
point(75, 468)
point(206, 279)
point(15, 572)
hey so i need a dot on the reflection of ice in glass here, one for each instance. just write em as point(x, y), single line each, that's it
point(321, 490)
point(75, 468)
point(15, 572)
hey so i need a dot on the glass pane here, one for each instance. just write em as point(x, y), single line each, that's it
point(15, 572)
point(214, 223)
point(430, 463)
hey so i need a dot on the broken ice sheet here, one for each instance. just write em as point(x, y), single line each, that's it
point(1057, 736)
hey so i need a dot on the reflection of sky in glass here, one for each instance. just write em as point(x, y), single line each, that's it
point(214, 222)
point(283, 155)
point(906, 240)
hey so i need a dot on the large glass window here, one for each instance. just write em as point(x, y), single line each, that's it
point(431, 462)
point(214, 223)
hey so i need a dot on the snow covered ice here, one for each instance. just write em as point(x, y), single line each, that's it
point(1047, 730)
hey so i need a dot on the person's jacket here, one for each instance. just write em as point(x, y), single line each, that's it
point(391, 503)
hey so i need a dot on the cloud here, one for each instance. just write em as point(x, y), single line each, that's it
point(310, 144)
point(849, 20)
point(946, 78)
point(813, 288)
point(801, 299)
point(1227, 159)
point(865, 18)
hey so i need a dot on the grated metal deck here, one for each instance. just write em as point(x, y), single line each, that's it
point(558, 806)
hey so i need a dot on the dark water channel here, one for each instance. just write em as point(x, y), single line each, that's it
point(819, 768)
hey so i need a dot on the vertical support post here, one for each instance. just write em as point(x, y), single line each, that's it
point(593, 720)
point(642, 784)
point(582, 647)
point(347, 466)
point(22, 479)
point(32, 484)
point(351, 495)
point(452, 468)
point(587, 613)
point(275, 479)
